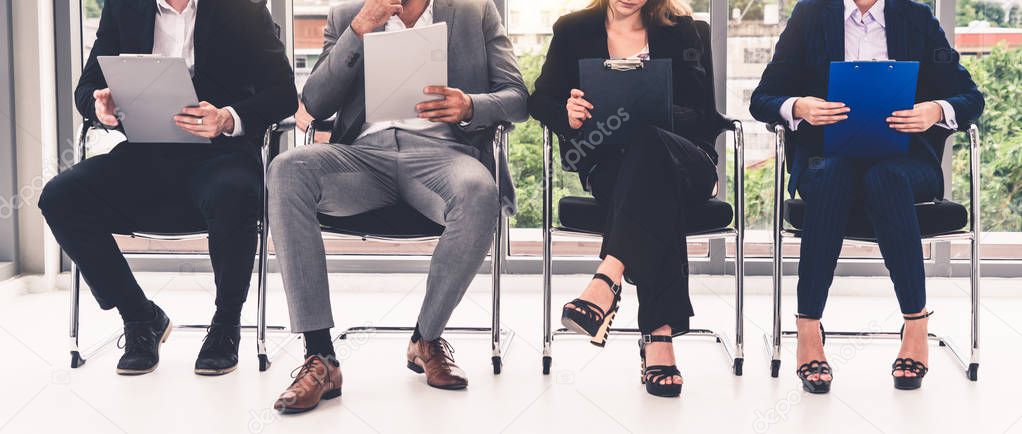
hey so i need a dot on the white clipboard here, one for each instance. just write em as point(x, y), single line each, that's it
point(398, 65)
point(148, 91)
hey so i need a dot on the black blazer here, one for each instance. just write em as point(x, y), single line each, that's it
point(239, 61)
point(583, 35)
point(815, 36)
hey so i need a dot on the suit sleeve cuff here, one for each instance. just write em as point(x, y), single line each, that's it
point(239, 128)
point(788, 113)
point(949, 122)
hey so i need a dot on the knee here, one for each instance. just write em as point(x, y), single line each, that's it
point(295, 165)
point(56, 198)
point(476, 197)
point(234, 199)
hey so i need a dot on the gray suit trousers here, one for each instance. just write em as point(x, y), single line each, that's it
point(443, 180)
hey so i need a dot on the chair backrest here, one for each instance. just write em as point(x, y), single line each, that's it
point(706, 60)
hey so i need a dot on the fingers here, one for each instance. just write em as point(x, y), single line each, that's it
point(575, 93)
point(102, 94)
point(826, 105)
point(437, 90)
point(434, 115)
point(907, 124)
point(906, 113)
point(200, 112)
point(580, 113)
point(432, 105)
point(828, 120)
point(580, 103)
point(207, 131)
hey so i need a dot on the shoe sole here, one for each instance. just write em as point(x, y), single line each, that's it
point(901, 384)
point(419, 370)
point(600, 338)
point(328, 395)
point(132, 372)
point(215, 372)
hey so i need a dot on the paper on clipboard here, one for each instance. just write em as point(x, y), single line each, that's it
point(148, 91)
point(398, 65)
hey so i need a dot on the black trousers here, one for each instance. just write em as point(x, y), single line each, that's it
point(162, 188)
point(647, 187)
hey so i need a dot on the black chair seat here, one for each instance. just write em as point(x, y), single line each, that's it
point(586, 215)
point(398, 221)
point(935, 218)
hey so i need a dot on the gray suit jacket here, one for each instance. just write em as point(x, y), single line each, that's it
point(482, 64)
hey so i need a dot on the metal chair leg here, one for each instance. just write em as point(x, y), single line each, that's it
point(264, 360)
point(76, 279)
point(972, 372)
point(548, 194)
point(739, 175)
point(778, 274)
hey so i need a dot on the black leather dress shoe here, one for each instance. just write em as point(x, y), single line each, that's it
point(142, 340)
point(219, 353)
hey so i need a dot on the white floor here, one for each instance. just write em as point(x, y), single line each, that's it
point(589, 391)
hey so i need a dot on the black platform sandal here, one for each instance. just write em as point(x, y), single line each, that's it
point(814, 367)
point(908, 364)
point(592, 320)
point(653, 375)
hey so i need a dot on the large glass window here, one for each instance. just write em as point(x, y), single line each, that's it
point(988, 34)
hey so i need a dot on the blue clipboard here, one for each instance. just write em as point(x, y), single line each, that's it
point(872, 90)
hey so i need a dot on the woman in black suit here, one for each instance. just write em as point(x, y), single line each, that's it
point(646, 186)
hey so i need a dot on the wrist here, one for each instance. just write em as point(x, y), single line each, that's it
point(358, 27)
point(225, 120)
point(470, 112)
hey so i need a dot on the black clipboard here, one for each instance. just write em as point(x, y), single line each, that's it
point(625, 99)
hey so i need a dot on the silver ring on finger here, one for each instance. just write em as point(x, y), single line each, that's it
point(198, 122)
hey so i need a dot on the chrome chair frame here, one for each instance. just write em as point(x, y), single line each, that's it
point(971, 233)
point(500, 338)
point(737, 233)
point(270, 146)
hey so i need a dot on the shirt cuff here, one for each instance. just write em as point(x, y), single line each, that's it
point(949, 121)
point(239, 129)
point(788, 113)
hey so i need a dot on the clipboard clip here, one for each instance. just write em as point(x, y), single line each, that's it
point(623, 64)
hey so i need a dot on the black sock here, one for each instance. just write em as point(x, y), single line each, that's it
point(318, 342)
point(141, 310)
point(416, 336)
point(229, 317)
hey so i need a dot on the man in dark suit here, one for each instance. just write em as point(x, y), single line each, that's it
point(792, 92)
point(244, 82)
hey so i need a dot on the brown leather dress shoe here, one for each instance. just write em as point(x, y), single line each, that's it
point(436, 360)
point(317, 379)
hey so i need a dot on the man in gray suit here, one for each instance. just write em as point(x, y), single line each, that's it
point(434, 163)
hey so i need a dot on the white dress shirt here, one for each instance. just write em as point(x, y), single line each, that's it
point(174, 36)
point(865, 39)
point(437, 130)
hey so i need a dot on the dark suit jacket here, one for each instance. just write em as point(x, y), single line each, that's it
point(239, 61)
point(815, 36)
point(583, 35)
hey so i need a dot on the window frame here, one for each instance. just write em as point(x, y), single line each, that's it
point(8, 160)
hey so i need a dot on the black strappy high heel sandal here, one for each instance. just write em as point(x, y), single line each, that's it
point(592, 320)
point(822, 368)
point(909, 364)
point(653, 375)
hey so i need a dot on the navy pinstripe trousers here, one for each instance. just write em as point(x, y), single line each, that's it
point(888, 189)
